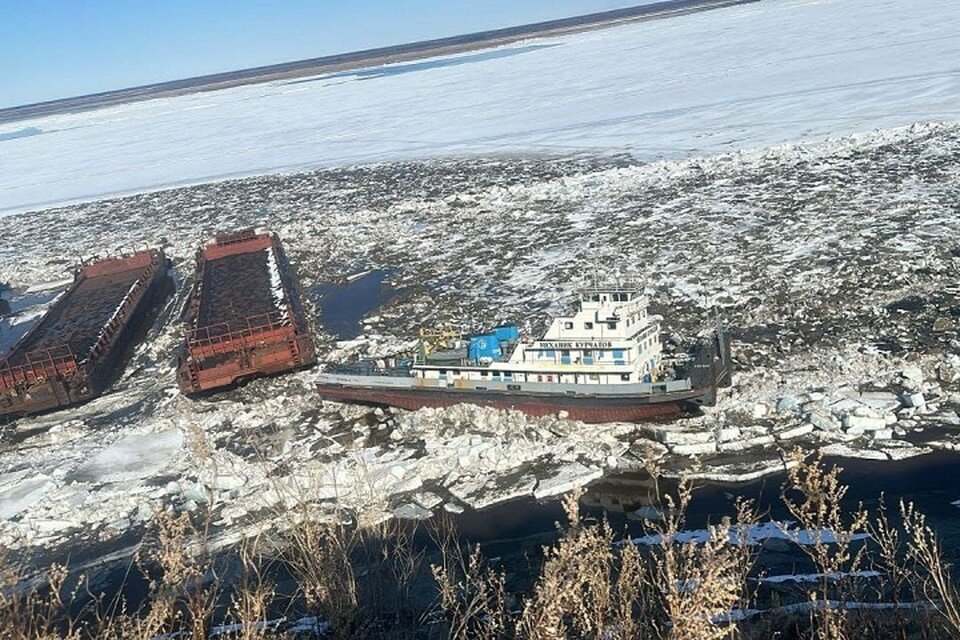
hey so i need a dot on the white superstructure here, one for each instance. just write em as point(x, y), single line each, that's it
point(609, 340)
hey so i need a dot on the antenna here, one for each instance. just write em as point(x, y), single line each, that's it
point(596, 263)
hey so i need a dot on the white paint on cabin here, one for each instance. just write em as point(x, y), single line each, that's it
point(610, 339)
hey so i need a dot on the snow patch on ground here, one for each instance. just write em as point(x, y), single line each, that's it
point(816, 577)
point(753, 535)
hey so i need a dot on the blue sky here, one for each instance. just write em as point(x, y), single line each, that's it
point(58, 48)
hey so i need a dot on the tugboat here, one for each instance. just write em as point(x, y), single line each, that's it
point(605, 363)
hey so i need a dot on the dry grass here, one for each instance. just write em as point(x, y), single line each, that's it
point(814, 496)
point(589, 584)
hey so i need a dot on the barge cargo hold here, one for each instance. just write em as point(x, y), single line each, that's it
point(244, 317)
point(603, 364)
point(77, 348)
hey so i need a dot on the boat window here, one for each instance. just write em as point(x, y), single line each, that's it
point(588, 352)
point(595, 376)
point(565, 352)
point(442, 372)
point(588, 325)
point(611, 325)
point(513, 387)
point(483, 374)
point(596, 297)
point(549, 378)
point(618, 353)
point(568, 325)
point(625, 377)
point(549, 353)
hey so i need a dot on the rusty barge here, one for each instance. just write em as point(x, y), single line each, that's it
point(244, 317)
point(79, 346)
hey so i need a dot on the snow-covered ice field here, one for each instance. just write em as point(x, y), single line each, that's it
point(834, 263)
point(742, 77)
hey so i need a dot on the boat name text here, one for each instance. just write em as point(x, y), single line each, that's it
point(575, 345)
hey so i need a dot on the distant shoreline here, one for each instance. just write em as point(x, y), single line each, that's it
point(365, 58)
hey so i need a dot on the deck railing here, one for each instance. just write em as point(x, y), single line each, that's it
point(225, 337)
point(42, 364)
point(120, 315)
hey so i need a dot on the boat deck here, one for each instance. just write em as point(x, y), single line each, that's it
point(236, 287)
point(244, 317)
point(77, 321)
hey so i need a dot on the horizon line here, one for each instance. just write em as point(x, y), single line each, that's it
point(357, 59)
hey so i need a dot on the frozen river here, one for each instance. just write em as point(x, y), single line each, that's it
point(742, 77)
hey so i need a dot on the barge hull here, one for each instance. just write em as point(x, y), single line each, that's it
point(79, 346)
point(591, 409)
point(244, 317)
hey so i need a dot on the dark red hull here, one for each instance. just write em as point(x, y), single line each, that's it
point(584, 408)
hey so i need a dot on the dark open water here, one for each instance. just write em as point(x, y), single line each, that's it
point(932, 482)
